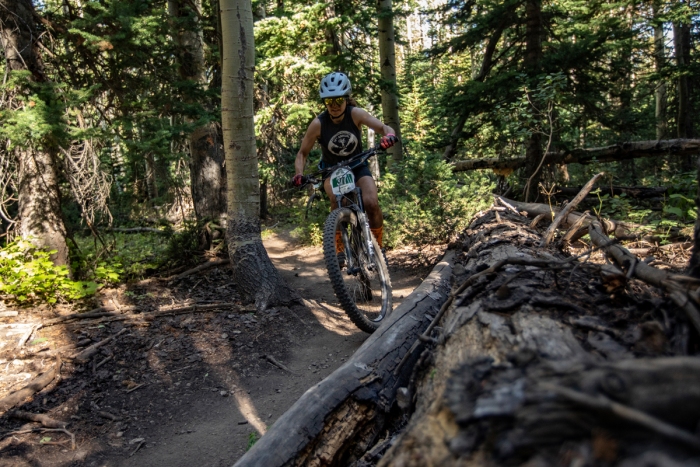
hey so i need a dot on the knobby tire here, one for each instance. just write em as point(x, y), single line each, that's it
point(366, 295)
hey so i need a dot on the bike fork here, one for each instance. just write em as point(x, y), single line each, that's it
point(364, 224)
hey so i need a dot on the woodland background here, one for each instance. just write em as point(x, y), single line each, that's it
point(111, 120)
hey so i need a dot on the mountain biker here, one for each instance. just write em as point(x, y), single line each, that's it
point(339, 132)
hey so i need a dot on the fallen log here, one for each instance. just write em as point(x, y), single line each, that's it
point(533, 363)
point(335, 421)
point(613, 153)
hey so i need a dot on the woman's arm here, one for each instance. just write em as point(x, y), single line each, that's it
point(362, 117)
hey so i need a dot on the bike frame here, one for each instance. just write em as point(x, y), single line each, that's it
point(353, 201)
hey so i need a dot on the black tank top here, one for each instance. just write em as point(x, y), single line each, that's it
point(339, 141)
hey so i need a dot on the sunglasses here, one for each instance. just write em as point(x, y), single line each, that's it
point(334, 100)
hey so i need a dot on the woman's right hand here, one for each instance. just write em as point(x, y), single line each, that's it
point(388, 141)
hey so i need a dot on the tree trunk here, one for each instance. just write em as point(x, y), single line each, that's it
point(335, 421)
point(661, 98)
point(253, 272)
point(39, 200)
point(533, 56)
point(681, 40)
point(151, 178)
point(387, 67)
point(207, 172)
point(694, 263)
point(19, 38)
point(39, 203)
point(373, 162)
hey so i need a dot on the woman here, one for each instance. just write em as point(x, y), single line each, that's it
point(339, 132)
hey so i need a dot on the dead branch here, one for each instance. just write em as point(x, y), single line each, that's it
point(39, 383)
point(638, 417)
point(279, 365)
point(616, 152)
point(102, 316)
point(649, 274)
point(45, 420)
point(138, 230)
point(135, 388)
point(621, 230)
point(563, 213)
point(43, 430)
point(576, 230)
point(201, 267)
point(635, 192)
point(88, 353)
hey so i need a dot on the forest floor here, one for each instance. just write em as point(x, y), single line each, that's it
point(191, 389)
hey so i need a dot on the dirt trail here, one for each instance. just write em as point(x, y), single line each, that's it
point(210, 387)
point(218, 437)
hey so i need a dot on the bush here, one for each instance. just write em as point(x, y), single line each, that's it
point(310, 222)
point(424, 202)
point(124, 256)
point(27, 274)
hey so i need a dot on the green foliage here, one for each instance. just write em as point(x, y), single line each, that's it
point(184, 247)
point(28, 275)
point(424, 203)
point(310, 222)
point(252, 439)
point(125, 256)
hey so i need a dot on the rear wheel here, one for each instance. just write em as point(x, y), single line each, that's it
point(362, 285)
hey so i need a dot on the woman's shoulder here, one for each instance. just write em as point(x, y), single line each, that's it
point(357, 114)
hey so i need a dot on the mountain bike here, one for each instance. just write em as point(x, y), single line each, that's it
point(362, 284)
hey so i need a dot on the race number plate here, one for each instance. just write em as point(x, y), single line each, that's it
point(342, 181)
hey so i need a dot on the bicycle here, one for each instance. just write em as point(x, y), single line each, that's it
point(362, 285)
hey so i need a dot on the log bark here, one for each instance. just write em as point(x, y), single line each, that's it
point(526, 369)
point(335, 421)
point(616, 152)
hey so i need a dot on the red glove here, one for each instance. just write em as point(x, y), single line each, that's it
point(297, 180)
point(388, 141)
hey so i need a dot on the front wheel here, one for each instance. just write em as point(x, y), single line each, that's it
point(362, 284)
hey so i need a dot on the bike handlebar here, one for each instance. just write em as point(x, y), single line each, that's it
point(353, 161)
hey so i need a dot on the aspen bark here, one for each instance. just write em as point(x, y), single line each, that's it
point(253, 271)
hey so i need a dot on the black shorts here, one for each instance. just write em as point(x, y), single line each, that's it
point(360, 171)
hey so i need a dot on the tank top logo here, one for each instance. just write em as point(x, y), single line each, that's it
point(342, 144)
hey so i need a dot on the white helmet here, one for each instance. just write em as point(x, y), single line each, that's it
point(335, 84)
